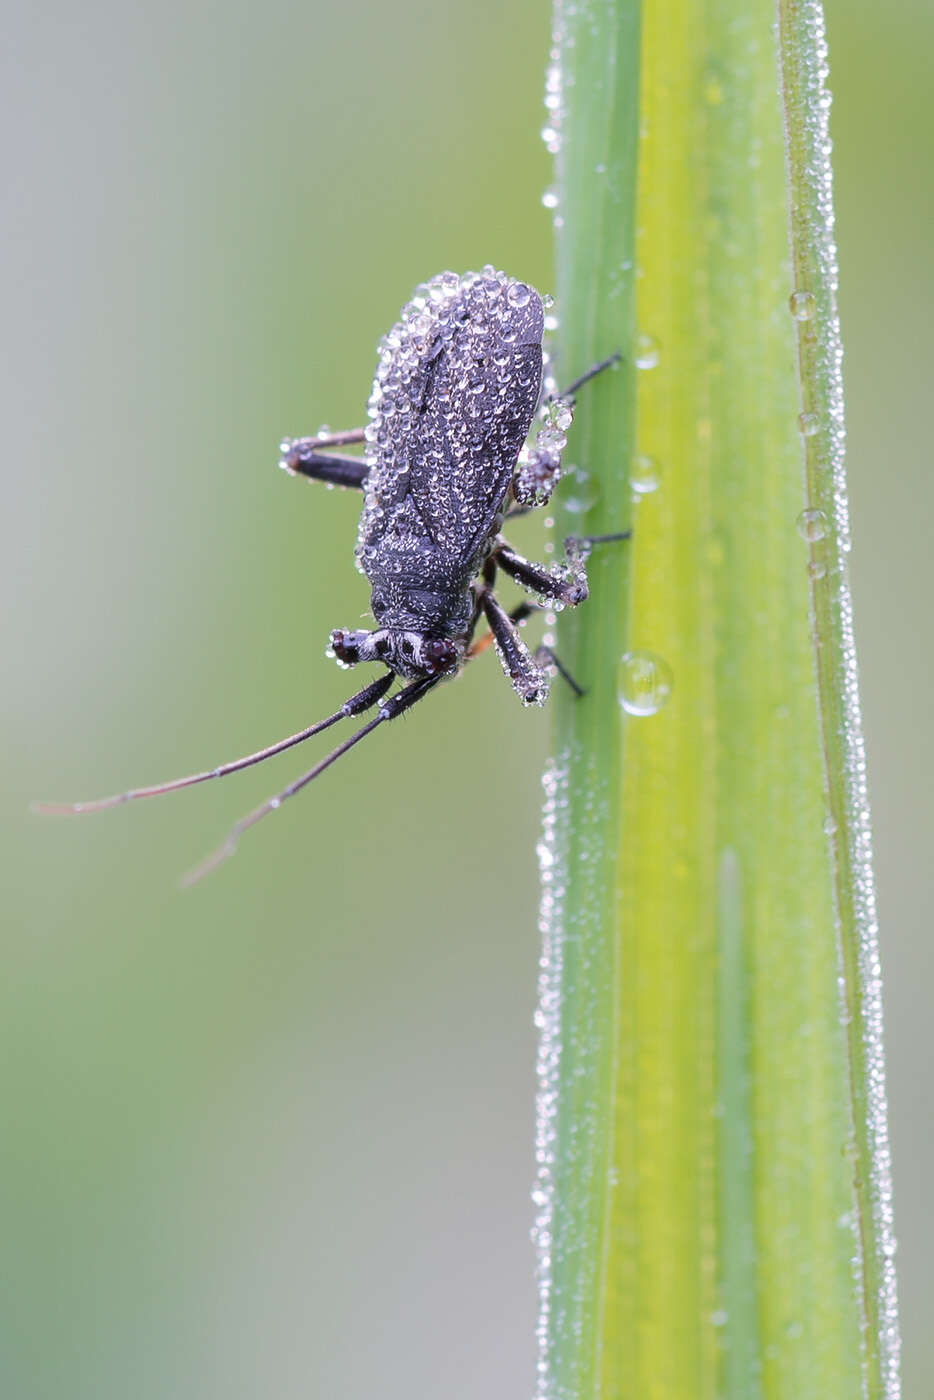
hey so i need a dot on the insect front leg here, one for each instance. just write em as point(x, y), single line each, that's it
point(304, 457)
point(529, 680)
point(544, 655)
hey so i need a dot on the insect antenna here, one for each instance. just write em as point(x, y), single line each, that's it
point(395, 705)
point(363, 700)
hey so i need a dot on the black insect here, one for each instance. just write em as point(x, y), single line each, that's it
point(445, 460)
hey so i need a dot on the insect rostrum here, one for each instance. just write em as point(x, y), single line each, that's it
point(445, 461)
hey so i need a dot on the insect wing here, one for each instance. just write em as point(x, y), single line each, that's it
point(474, 421)
point(453, 401)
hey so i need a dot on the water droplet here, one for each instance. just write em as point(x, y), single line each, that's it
point(644, 683)
point(817, 568)
point(550, 198)
point(830, 825)
point(583, 495)
point(808, 424)
point(646, 356)
point(551, 139)
point(812, 525)
point(802, 305)
point(719, 1318)
point(643, 474)
point(518, 294)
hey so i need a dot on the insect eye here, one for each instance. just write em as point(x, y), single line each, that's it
point(406, 648)
point(381, 646)
point(440, 654)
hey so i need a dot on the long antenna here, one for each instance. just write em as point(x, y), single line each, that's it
point(363, 700)
point(395, 705)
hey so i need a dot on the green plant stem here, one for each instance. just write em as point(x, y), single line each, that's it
point(696, 1198)
point(803, 59)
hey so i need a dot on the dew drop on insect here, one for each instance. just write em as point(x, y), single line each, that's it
point(548, 301)
point(550, 198)
point(646, 356)
point(518, 294)
point(812, 525)
point(802, 305)
point(808, 424)
point(644, 683)
point(643, 474)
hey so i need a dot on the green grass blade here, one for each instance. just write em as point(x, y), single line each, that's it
point(803, 57)
point(697, 1146)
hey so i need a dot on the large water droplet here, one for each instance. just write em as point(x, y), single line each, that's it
point(812, 525)
point(644, 682)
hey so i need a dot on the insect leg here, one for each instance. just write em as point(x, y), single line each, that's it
point(517, 615)
point(539, 471)
point(585, 543)
point(589, 374)
point(311, 444)
point(567, 587)
point(304, 457)
point(389, 709)
point(364, 699)
point(543, 655)
point(528, 678)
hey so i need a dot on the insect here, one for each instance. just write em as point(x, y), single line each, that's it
point(445, 461)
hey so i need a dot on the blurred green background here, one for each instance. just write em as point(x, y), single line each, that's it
point(274, 1136)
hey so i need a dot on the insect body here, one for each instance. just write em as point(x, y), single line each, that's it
point(457, 387)
point(456, 390)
